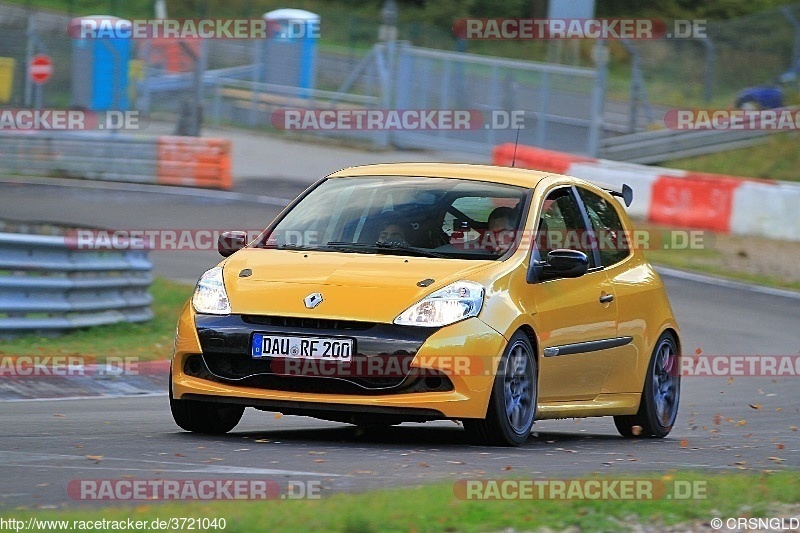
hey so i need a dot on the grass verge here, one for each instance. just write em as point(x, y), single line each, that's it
point(146, 341)
point(755, 260)
point(777, 159)
point(436, 508)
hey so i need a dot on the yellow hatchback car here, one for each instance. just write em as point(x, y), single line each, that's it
point(422, 291)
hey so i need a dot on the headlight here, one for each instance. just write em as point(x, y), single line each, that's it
point(209, 294)
point(457, 301)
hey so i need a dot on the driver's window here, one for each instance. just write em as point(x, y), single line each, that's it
point(561, 225)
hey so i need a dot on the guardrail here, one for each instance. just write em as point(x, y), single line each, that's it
point(45, 285)
point(662, 145)
point(169, 160)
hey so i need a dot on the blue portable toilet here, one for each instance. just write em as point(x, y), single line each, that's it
point(100, 68)
point(290, 50)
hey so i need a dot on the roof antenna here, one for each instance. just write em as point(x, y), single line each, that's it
point(516, 143)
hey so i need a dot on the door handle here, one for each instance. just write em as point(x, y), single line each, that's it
point(606, 298)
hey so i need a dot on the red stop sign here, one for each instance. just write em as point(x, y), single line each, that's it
point(40, 68)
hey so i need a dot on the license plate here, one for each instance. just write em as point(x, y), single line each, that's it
point(336, 349)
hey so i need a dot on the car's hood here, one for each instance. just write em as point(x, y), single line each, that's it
point(354, 286)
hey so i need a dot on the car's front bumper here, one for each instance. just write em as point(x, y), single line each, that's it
point(212, 361)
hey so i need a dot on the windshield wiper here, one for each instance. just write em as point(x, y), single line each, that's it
point(381, 246)
point(289, 247)
point(408, 248)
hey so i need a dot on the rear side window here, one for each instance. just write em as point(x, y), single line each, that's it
point(608, 227)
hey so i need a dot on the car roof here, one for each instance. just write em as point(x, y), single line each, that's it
point(507, 175)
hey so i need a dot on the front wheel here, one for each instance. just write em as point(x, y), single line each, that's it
point(512, 405)
point(204, 417)
point(658, 408)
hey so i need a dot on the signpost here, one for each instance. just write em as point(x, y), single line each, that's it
point(40, 68)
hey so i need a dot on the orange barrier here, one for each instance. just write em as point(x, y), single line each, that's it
point(696, 200)
point(535, 158)
point(170, 54)
point(194, 161)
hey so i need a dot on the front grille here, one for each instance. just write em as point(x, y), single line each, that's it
point(307, 323)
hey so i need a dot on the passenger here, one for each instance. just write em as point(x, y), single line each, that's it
point(501, 232)
point(392, 233)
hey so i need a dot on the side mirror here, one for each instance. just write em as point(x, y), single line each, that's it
point(230, 242)
point(560, 263)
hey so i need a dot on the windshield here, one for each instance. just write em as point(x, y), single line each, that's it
point(434, 217)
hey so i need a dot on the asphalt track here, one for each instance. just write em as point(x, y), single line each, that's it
point(739, 424)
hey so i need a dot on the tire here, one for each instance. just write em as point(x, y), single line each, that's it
point(204, 417)
point(512, 405)
point(747, 103)
point(658, 407)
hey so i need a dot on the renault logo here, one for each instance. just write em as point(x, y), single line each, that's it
point(313, 300)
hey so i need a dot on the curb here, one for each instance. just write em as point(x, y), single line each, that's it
point(728, 204)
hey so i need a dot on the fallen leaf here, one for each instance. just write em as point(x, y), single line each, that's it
point(780, 446)
point(261, 440)
point(717, 419)
point(636, 430)
point(368, 472)
point(43, 484)
point(317, 453)
point(59, 416)
point(793, 428)
point(278, 415)
point(730, 380)
point(179, 455)
point(755, 405)
point(455, 462)
point(95, 457)
point(319, 460)
point(507, 467)
point(423, 465)
point(776, 459)
point(742, 422)
point(684, 443)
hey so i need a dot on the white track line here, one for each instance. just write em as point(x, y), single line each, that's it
point(727, 283)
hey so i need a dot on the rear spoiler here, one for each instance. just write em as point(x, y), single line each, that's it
point(625, 192)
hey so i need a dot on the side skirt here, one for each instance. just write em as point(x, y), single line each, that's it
point(603, 405)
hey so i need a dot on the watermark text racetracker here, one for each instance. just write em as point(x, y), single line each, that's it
point(784, 119)
point(106, 27)
point(138, 489)
point(580, 489)
point(208, 239)
point(702, 365)
point(70, 120)
point(69, 366)
point(396, 119)
point(565, 28)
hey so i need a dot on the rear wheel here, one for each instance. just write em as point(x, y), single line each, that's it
point(512, 406)
point(204, 417)
point(658, 408)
